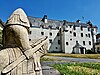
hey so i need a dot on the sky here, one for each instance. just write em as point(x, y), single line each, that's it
point(70, 10)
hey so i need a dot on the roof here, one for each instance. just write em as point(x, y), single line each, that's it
point(38, 22)
point(98, 36)
point(54, 23)
point(78, 46)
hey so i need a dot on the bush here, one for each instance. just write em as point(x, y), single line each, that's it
point(90, 52)
point(98, 51)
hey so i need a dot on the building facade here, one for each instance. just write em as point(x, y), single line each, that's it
point(63, 36)
point(98, 43)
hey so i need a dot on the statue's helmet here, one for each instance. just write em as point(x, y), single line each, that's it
point(18, 17)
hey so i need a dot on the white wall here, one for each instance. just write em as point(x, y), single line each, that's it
point(71, 39)
point(36, 33)
point(66, 37)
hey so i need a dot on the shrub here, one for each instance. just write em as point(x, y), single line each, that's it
point(90, 52)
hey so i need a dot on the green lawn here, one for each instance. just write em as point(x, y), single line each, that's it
point(78, 68)
point(75, 68)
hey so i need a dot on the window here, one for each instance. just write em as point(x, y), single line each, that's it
point(58, 41)
point(88, 29)
point(81, 34)
point(57, 34)
point(89, 42)
point(56, 47)
point(70, 31)
point(83, 42)
point(66, 30)
point(57, 27)
point(50, 34)
point(86, 35)
point(50, 40)
point(42, 33)
point(66, 26)
point(30, 32)
point(74, 34)
point(76, 41)
point(81, 28)
point(70, 39)
point(89, 35)
point(74, 27)
point(92, 29)
point(70, 26)
point(66, 43)
point(98, 48)
point(29, 39)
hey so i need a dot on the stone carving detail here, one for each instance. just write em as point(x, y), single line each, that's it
point(18, 57)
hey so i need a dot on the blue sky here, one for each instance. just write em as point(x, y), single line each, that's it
point(69, 10)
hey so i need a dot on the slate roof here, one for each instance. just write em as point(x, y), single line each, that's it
point(54, 23)
point(38, 22)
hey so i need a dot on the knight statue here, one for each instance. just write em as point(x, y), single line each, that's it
point(18, 57)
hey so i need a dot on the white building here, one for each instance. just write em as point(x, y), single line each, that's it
point(98, 42)
point(63, 36)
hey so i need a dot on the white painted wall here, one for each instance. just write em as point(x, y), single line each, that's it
point(71, 39)
point(36, 33)
point(66, 37)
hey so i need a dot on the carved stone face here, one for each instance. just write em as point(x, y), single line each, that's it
point(18, 17)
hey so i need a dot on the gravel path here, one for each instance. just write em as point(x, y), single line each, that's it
point(47, 70)
point(66, 60)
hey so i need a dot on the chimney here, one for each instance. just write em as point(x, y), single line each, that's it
point(45, 19)
point(64, 22)
point(89, 23)
point(78, 21)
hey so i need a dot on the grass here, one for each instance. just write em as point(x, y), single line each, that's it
point(78, 68)
point(91, 56)
point(75, 68)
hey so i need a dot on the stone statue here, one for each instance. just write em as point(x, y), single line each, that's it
point(18, 57)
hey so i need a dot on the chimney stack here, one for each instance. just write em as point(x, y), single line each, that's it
point(45, 19)
point(64, 22)
point(78, 21)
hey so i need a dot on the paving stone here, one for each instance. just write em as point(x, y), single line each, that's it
point(47, 70)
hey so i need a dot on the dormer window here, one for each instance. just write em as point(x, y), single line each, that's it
point(70, 26)
point(81, 28)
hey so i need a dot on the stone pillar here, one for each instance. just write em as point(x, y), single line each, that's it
point(79, 51)
point(84, 50)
